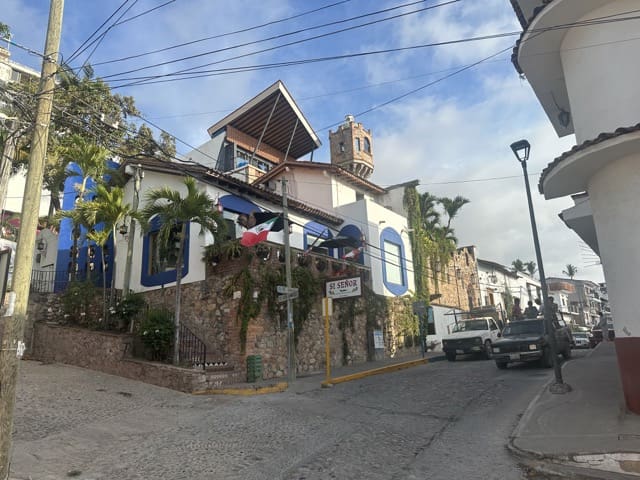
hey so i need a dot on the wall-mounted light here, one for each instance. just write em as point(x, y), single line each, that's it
point(123, 230)
point(41, 245)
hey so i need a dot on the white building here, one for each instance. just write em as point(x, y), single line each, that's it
point(585, 78)
point(498, 284)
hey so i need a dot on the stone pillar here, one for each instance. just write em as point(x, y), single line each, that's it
point(613, 192)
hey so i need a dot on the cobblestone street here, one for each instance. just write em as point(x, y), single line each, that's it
point(441, 420)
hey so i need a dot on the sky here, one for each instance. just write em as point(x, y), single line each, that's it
point(434, 115)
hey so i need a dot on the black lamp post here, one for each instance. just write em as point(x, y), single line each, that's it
point(521, 150)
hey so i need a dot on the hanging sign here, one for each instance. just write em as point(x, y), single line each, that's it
point(344, 287)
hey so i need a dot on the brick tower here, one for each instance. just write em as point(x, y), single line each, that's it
point(352, 147)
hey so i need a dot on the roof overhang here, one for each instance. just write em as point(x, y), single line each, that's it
point(570, 172)
point(286, 128)
point(537, 55)
point(579, 218)
point(327, 167)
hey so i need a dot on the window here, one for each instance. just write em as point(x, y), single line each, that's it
point(392, 264)
point(342, 147)
point(230, 233)
point(358, 145)
point(158, 260)
point(359, 196)
point(163, 258)
point(367, 145)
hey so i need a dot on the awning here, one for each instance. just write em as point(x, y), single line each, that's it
point(348, 236)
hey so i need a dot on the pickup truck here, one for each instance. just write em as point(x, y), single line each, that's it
point(473, 335)
point(527, 340)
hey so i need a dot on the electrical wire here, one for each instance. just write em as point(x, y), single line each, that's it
point(324, 35)
point(221, 35)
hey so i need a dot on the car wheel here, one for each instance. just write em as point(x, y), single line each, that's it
point(501, 365)
point(547, 358)
point(488, 353)
point(451, 356)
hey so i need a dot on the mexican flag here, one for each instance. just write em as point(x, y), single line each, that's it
point(258, 234)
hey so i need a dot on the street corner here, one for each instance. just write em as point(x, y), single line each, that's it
point(248, 390)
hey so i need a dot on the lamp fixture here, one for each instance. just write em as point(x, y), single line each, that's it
point(521, 150)
point(41, 245)
point(123, 230)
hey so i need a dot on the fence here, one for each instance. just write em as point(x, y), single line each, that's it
point(192, 350)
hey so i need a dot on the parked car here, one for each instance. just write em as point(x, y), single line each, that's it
point(473, 335)
point(527, 340)
point(582, 339)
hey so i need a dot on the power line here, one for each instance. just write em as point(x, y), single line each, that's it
point(80, 49)
point(190, 74)
point(243, 30)
point(335, 32)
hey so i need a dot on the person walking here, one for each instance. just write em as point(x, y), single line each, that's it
point(531, 311)
point(516, 311)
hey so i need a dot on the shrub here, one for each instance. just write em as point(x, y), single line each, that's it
point(128, 308)
point(156, 332)
point(79, 303)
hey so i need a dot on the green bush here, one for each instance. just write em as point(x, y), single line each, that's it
point(128, 308)
point(79, 304)
point(156, 332)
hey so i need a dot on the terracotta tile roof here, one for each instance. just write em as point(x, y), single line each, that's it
point(335, 169)
point(525, 24)
point(583, 146)
point(214, 177)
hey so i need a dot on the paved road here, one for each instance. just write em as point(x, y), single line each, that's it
point(437, 421)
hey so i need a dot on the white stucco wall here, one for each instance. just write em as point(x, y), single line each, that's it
point(613, 193)
point(601, 72)
point(15, 195)
point(367, 215)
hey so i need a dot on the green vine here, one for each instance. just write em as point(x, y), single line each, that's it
point(248, 307)
point(308, 291)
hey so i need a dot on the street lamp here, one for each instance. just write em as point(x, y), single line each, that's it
point(521, 150)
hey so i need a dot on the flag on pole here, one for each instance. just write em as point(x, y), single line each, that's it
point(259, 233)
point(355, 253)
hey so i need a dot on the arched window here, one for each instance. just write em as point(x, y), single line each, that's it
point(367, 145)
point(394, 265)
point(358, 148)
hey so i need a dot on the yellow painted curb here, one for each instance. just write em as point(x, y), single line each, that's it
point(376, 371)
point(253, 390)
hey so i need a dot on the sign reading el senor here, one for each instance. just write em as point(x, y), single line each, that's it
point(344, 287)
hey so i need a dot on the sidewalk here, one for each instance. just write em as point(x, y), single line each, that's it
point(587, 432)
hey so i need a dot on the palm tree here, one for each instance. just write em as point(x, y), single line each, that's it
point(531, 267)
point(571, 271)
point(107, 207)
point(452, 207)
point(430, 216)
point(518, 266)
point(91, 161)
point(175, 211)
point(101, 237)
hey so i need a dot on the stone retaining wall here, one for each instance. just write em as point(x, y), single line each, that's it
point(108, 353)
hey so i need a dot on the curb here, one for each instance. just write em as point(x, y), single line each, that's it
point(245, 391)
point(376, 371)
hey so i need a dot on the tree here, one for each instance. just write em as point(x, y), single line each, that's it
point(107, 208)
point(91, 163)
point(531, 267)
point(452, 207)
point(518, 266)
point(570, 271)
point(175, 212)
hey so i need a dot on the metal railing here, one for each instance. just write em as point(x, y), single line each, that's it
point(192, 350)
point(53, 281)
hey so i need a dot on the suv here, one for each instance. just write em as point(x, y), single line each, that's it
point(473, 335)
point(527, 340)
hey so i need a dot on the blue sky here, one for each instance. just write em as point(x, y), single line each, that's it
point(456, 130)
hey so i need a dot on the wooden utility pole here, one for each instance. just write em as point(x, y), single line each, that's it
point(12, 339)
point(291, 344)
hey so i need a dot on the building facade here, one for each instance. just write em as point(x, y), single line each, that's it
point(586, 84)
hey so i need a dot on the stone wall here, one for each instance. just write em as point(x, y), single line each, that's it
point(457, 282)
point(210, 309)
point(109, 353)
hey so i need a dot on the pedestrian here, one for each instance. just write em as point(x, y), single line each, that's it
point(516, 311)
point(603, 325)
point(531, 311)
